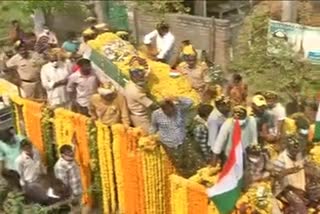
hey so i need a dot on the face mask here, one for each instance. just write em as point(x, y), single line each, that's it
point(54, 64)
point(242, 122)
point(68, 158)
point(141, 83)
point(304, 131)
point(254, 159)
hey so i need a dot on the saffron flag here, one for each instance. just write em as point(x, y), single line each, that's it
point(227, 190)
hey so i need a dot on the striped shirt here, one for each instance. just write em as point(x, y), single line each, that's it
point(42, 45)
point(200, 135)
point(172, 130)
point(69, 174)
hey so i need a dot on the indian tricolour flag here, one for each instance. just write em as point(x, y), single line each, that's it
point(227, 190)
point(316, 136)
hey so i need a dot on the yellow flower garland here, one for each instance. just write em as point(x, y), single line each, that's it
point(106, 168)
point(142, 175)
point(179, 197)
point(250, 198)
point(155, 171)
point(189, 196)
point(32, 114)
point(64, 127)
point(315, 154)
point(117, 130)
point(17, 101)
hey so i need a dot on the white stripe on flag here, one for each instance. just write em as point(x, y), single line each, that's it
point(229, 181)
point(318, 113)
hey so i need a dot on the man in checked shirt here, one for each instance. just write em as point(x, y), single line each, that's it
point(169, 121)
point(67, 170)
point(200, 130)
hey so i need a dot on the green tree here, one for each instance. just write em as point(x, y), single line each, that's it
point(49, 7)
point(160, 8)
point(10, 10)
point(255, 57)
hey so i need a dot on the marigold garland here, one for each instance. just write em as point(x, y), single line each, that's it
point(189, 197)
point(142, 175)
point(95, 189)
point(32, 114)
point(117, 150)
point(48, 136)
point(63, 126)
point(106, 168)
point(179, 197)
point(15, 116)
point(253, 203)
point(17, 103)
point(126, 170)
point(156, 180)
point(197, 198)
point(18, 100)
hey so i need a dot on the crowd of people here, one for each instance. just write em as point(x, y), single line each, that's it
point(22, 169)
point(275, 143)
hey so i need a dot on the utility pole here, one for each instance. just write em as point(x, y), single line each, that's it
point(99, 8)
point(200, 8)
point(289, 11)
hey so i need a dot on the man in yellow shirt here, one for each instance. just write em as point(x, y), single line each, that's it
point(28, 66)
point(196, 72)
point(139, 102)
point(109, 107)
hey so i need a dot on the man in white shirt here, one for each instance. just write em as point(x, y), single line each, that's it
point(29, 164)
point(290, 174)
point(54, 78)
point(164, 41)
point(217, 117)
point(223, 142)
point(277, 110)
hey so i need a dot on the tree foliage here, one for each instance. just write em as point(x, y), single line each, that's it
point(46, 6)
point(160, 8)
point(10, 10)
point(265, 69)
point(49, 7)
